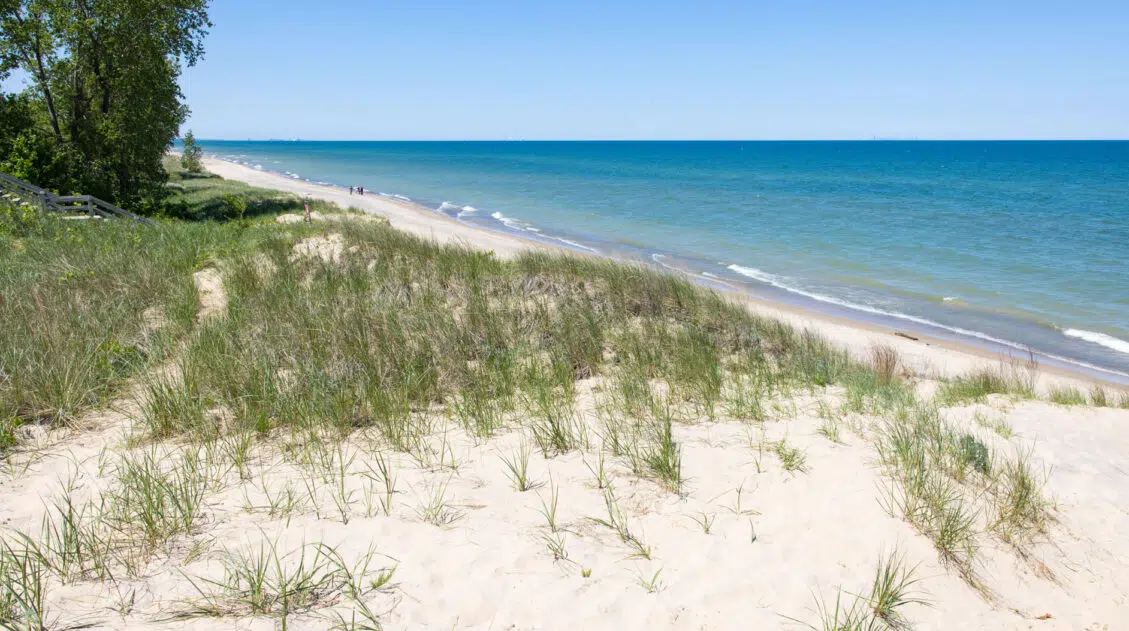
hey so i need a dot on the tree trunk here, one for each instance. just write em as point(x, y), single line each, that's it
point(41, 74)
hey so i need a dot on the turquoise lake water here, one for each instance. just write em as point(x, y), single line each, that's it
point(1011, 245)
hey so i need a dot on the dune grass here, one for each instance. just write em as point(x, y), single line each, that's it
point(895, 586)
point(86, 305)
point(1010, 379)
point(401, 327)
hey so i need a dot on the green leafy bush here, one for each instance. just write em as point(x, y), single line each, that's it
point(975, 453)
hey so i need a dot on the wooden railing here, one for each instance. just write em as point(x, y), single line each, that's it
point(21, 193)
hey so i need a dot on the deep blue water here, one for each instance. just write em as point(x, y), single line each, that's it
point(1019, 244)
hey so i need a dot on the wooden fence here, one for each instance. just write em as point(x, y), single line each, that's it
point(21, 193)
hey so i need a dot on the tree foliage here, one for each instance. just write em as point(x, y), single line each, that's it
point(102, 103)
point(190, 156)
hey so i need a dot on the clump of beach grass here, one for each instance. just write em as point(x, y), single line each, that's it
point(24, 577)
point(617, 522)
point(434, 506)
point(1066, 395)
point(977, 385)
point(792, 459)
point(894, 587)
point(266, 581)
point(1021, 509)
point(886, 362)
point(517, 469)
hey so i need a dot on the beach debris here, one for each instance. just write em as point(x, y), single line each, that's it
point(906, 335)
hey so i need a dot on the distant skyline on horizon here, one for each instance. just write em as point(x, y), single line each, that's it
point(630, 70)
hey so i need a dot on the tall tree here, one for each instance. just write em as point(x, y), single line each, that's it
point(103, 79)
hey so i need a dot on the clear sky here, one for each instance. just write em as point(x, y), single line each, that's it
point(488, 69)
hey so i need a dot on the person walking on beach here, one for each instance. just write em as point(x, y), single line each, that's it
point(350, 190)
point(361, 189)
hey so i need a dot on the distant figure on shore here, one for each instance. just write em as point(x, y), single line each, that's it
point(361, 189)
point(350, 190)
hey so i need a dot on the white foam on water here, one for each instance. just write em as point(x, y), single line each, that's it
point(658, 258)
point(523, 226)
point(780, 283)
point(514, 224)
point(467, 210)
point(576, 245)
point(403, 197)
point(949, 299)
point(1101, 339)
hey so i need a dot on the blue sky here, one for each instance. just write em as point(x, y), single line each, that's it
point(352, 69)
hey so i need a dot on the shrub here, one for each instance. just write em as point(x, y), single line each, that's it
point(975, 453)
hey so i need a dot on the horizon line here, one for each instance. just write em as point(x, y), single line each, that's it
point(876, 139)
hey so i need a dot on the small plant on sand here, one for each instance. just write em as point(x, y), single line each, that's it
point(998, 425)
point(652, 584)
point(555, 543)
point(829, 429)
point(199, 549)
point(664, 456)
point(599, 472)
point(586, 572)
point(757, 445)
point(617, 521)
point(736, 507)
point(549, 509)
point(893, 587)
point(385, 475)
point(705, 520)
point(972, 452)
point(838, 616)
point(434, 508)
point(383, 578)
point(791, 458)
point(338, 476)
point(23, 589)
point(517, 469)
